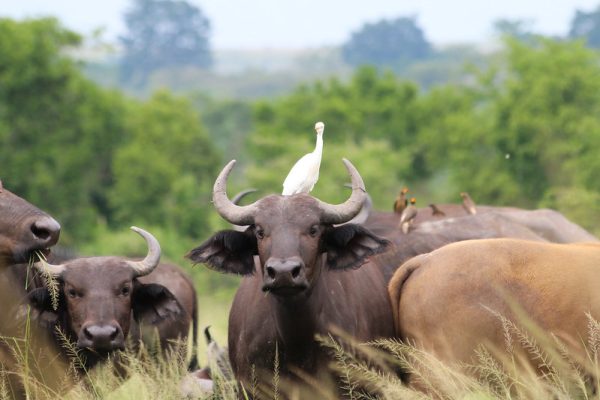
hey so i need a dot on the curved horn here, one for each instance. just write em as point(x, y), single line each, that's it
point(234, 214)
point(50, 269)
point(148, 264)
point(238, 197)
point(236, 200)
point(365, 211)
point(338, 214)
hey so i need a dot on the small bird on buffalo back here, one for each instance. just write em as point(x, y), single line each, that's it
point(305, 173)
point(468, 203)
point(401, 202)
point(436, 212)
point(408, 215)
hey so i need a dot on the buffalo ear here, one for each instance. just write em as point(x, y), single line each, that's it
point(41, 301)
point(228, 251)
point(350, 245)
point(153, 302)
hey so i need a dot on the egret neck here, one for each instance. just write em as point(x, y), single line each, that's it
point(319, 146)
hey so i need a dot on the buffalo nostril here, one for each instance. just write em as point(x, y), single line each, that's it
point(295, 272)
point(271, 272)
point(45, 229)
point(88, 335)
point(40, 232)
point(114, 334)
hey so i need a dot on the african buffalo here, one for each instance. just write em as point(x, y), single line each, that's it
point(450, 301)
point(24, 229)
point(25, 232)
point(432, 235)
point(308, 276)
point(548, 224)
point(101, 301)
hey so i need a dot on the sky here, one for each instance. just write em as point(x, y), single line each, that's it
point(264, 24)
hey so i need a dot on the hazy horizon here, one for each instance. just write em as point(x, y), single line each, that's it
point(274, 24)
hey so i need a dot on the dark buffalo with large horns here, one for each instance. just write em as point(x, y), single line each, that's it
point(101, 301)
point(309, 275)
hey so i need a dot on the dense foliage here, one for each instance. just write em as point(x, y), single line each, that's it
point(89, 155)
point(524, 131)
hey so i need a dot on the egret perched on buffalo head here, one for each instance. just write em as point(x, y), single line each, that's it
point(305, 173)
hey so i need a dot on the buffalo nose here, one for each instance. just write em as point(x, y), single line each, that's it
point(46, 231)
point(105, 337)
point(284, 273)
point(292, 270)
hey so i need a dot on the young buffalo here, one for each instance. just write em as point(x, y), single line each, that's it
point(103, 301)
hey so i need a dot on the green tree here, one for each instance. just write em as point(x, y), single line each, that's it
point(161, 34)
point(228, 123)
point(164, 173)
point(387, 43)
point(57, 130)
point(586, 25)
point(534, 126)
point(89, 155)
point(518, 133)
point(369, 120)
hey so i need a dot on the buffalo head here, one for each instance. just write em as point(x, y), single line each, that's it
point(98, 297)
point(293, 236)
point(24, 229)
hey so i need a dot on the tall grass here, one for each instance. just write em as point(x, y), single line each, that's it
point(126, 375)
point(532, 365)
point(528, 367)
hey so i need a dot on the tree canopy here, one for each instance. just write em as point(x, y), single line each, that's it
point(91, 155)
point(164, 172)
point(164, 33)
point(387, 43)
point(522, 132)
point(586, 25)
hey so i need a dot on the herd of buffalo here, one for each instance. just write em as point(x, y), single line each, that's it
point(308, 268)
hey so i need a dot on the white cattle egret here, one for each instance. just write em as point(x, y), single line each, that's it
point(305, 173)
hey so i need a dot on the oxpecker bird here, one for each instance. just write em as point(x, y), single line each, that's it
point(408, 215)
point(436, 212)
point(401, 202)
point(468, 204)
point(305, 173)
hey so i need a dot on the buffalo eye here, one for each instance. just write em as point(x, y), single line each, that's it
point(314, 230)
point(260, 232)
point(72, 293)
point(125, 290)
